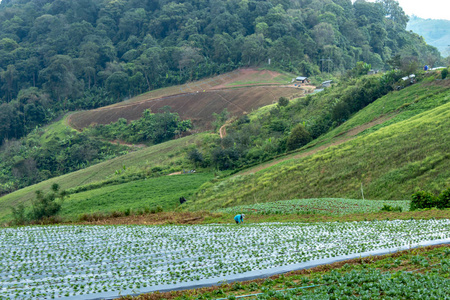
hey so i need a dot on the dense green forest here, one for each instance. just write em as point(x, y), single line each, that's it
point(435, 32)
point(63, 55)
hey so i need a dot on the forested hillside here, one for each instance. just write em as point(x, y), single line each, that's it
point(63, 55)
point(435, 32)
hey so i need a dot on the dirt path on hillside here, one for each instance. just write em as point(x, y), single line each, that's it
point(345, 136)
point(223, 131)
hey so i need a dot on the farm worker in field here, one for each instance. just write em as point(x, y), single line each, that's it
point(239, 218)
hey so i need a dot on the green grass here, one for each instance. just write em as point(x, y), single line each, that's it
point(57, 129)
point(390, 163)
point(323, 206)
point(169, 157)
point(137, 195)
point(400, 105)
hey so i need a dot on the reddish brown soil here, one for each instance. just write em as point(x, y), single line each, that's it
point(197, 107)
point(154, 219)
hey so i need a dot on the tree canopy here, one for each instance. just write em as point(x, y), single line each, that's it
point(60, 55)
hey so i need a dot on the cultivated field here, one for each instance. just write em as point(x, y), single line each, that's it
point(240, 77)
point(331, 207)
point(196, 106)
point(421, 273)
point(66, 261)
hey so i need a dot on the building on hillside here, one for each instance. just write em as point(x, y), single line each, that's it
point(302, 79)
point(327, 83)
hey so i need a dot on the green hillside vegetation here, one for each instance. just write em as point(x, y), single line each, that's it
point(435, 33)
point(328, 173)
point(136, 197)
point(149, 162)
point(270, 131)
point(59, 56)
point(49, 152)
point(390, 163)
point(58, 149)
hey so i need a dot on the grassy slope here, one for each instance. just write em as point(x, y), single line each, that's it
point(390, 162)
point(170, 154)
point(140, 195)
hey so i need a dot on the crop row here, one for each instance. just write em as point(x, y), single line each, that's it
point(62, 261)
point(325, 206)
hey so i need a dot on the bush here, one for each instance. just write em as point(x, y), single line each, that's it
point(195, 156)
point(444, 73)
point(298, 138)
point(19, 215)
point(391, 208)
point(283, 101)
point(43, 210)
point(443, 200)
point(422, 199)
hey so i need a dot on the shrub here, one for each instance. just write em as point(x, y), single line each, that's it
point(19, 214)
point(443, 200)
point(195, 156)
point(283, 101)
point(387, 207)
point(43, 210)
point(298, 138)
point(422, 199)
point(444, 73)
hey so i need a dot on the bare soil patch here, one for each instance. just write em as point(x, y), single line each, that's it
point(163, 218)
point(198, 106)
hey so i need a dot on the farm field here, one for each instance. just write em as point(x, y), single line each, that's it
point(136, 196)
point(196, 106)
point(65, 261)
point(421, 273)
point(332, 207)
point(248, 76)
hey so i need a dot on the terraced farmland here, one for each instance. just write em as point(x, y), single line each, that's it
point(196, 106)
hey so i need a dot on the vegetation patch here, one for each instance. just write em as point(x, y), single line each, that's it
point(333, 207)
point(136, 197)
point(387, 164)
point(161, 159)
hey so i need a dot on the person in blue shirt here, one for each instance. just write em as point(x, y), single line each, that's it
point(239, 218)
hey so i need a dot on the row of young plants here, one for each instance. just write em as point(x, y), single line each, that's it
point(360, 278)
point(66, 261)
point(325, 206)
